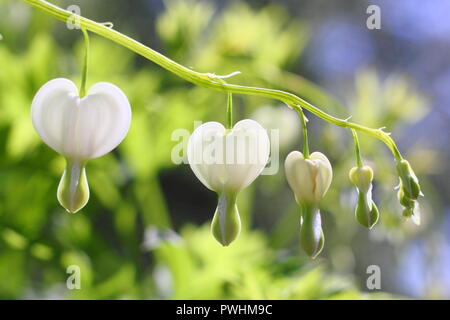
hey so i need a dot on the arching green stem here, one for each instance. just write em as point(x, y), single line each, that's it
point(209, 80)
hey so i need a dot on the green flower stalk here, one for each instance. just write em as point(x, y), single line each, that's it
point(208, 80)
point(409, 185)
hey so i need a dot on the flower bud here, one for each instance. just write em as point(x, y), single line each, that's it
point(227, 161)
point(226, 224)
point(308, 178)
point(361, 177)
point(408, 180)
point(79, 129)
point(311, 234)
point(366, 211)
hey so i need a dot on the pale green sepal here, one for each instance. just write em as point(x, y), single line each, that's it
point(73, 189)
point(226, 224)
point(311, 234)
point(366, 211)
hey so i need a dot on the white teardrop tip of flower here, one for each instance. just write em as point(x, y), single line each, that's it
point(80, 128)
point(228, 160)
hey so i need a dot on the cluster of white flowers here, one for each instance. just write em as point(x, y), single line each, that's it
point(225, 160)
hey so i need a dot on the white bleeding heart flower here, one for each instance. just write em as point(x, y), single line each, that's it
point(308, 178)
point(226, 161)
point(79, 129)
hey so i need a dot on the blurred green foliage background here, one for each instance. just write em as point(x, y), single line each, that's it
point(145, 231)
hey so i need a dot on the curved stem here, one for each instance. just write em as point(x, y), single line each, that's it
point(209, 80)
point(85, 64)
point(359, 161)
point(230, 111)
point(305, 134)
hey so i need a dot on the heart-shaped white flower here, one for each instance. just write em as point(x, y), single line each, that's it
point(308, 178)
point(227, 161)
point(80, 129)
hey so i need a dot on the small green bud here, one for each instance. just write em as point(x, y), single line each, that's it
point(361, 177)
point(408, 180)
point(73, 189)
point(226, 224)
point(311, 234)
point(366, 212)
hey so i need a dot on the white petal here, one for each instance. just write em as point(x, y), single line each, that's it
point(81, 128)
point(201, 141)
point(50, 111)
point(105, 117)
point(253, 145)
point(300, 174)
point(324, 174)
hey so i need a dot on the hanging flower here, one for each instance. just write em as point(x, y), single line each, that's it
point(309, 179)
point(227, 161)
point(366, 211)
point(79, 129)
